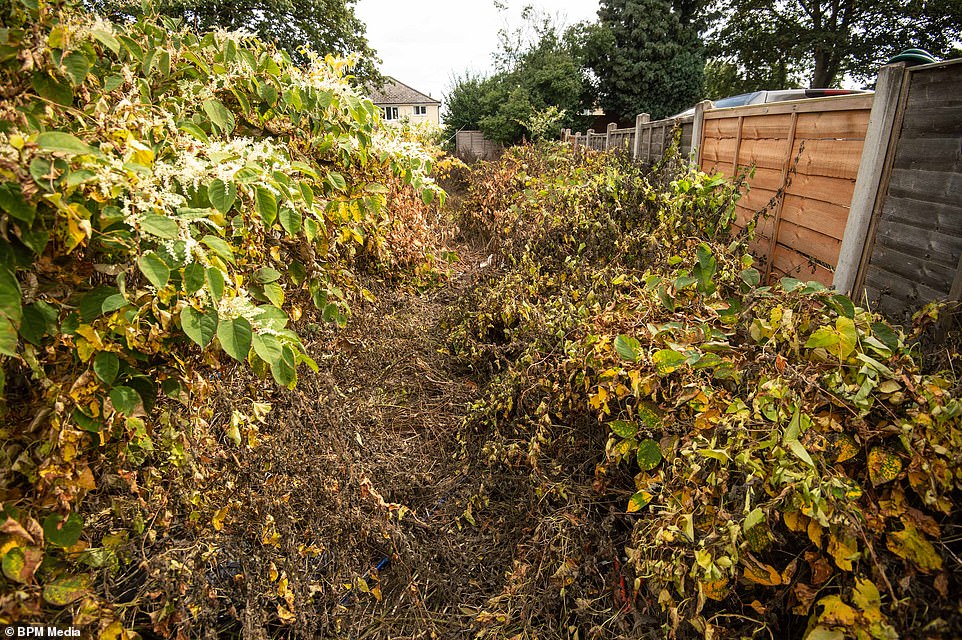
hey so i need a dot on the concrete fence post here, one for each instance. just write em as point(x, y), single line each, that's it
point(611, 127)
point(885, 106)
point(698, 130)
point(640, 119)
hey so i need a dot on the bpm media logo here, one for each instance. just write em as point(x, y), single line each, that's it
point(41, 632)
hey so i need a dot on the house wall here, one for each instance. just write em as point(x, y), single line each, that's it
point(407, 111)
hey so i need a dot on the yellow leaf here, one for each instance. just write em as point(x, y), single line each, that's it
point(846, 446)
point(883, 465)
point(762, 574)
point(836, 613)
point(599, 399)
point(815, 533)
point(715, 589)
point(912, 545)
point(116, 631)
point(66, 589)
point(795, 521)
point(285, 614)
point(218, 519)
point(842, 549)
point(638, 501)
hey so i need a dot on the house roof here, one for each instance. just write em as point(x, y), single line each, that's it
point(396, 92)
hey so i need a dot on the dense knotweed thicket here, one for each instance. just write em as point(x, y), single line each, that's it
point(173, 205)
point(750, 461)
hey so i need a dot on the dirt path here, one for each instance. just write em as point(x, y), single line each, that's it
point(362, 469)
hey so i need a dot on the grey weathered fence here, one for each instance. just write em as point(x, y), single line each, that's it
point(472, 145)
point(646, 141)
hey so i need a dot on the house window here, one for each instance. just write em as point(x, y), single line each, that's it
point(420, 111)
point(390, 113)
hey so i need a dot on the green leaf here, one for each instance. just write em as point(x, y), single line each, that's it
point(64, 143)
point(624, 429)
point(220, 247)
point(10, 305)
point(266, 205)
point(755, 517)
point(291, 220)
point(219, 115)
point(201, 327)
point(155, 269)
point(160, 226)
point(283, 370)
point(107, 39)
point(62, 532)
point(113, 302)
point(193, 277)
point(77, 66)
point(189, 127)
point(649, 454)
point(106, 366)
point(91, 305)
point(667, 360)
point(13, 202)
point(751, 277)
point(235, 337)
point(222, 195)
point(274, 293)
point(8, 340)
point(125, 400)
point(66, 590)
point(15, 566)
point(215, 283)
point(791, 284)
point(844, 305)
point(800, 452)
point(266, 274)
point(267, 347)
point(627, 347)
point(337, 181)
point(886, 334)
point(823, 337)
point(52, 89)
point(427, 196)
point(39, 320)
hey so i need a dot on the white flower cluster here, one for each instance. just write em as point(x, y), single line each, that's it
point(241, 306)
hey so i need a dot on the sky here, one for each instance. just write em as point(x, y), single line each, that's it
point(425, 43)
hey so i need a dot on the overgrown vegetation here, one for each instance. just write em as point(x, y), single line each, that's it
point(707, 457)
point(177, 209)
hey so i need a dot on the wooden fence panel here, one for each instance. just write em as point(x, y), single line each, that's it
point(915, 253)
point(803, 158)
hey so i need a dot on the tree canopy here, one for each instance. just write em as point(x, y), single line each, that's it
point(538, 87)
point(325, 26)
point(827, 41)
point(647, 57)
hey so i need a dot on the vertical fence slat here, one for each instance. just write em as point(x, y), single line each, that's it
point(773, 241)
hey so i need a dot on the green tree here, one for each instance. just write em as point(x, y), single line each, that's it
point(647, 57)
point(539, 79)
point(325, 26)
point(828, 41)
